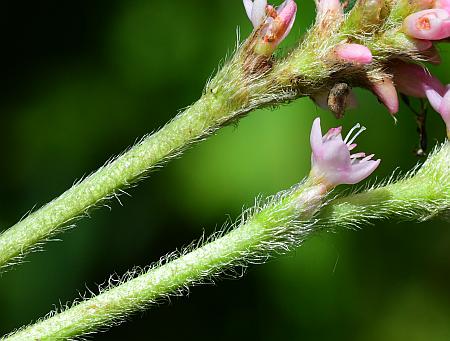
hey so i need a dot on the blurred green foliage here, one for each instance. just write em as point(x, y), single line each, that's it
point(83, 80)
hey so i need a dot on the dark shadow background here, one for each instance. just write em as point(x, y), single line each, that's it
point(82, 80)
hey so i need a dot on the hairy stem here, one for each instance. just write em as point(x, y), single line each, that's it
point(253, 240)
point(284, 222)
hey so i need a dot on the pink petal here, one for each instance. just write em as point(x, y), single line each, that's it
point(387, 94)
point(444, 109)
point(354, 53)
point(316, 136)
point(361, 171)
point(287, 13)
point(434, 98)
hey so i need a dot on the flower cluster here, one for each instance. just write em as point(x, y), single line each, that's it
point(423, 23)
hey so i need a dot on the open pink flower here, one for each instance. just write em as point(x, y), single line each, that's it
point(274, 23)
point(332, 163)
point(430, 24)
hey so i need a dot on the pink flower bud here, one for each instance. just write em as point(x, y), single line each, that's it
point(387, 94)
point(332, 163)
point(354, 53)
point(431, 24)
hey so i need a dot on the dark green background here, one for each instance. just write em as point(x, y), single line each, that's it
point(82, 80)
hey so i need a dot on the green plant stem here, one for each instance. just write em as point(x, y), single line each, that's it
point(254, 238)
point(276, 227)
point(114, 176)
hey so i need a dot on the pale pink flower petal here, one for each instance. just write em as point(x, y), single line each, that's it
point(354, 53)
point(248, 4)
point(431, 24)
point(258, 12)
point(434, 97)
point(444, 110)
point(332, 163)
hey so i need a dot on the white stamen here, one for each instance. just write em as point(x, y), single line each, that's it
point(357, 126)
point(356, 135)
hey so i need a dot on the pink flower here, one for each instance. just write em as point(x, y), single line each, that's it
point(354, 53)
point(332, 163)
point(430, 24)
point(274, 24)
point(414, 80)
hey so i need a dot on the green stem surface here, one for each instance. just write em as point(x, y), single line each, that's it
point(253, 239)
